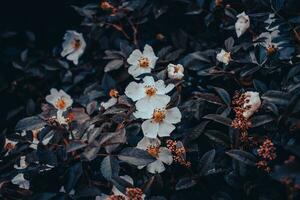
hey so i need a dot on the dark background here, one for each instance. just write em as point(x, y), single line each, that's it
point(48, 20)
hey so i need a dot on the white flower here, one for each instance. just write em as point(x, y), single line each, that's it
point(253, 103)
point(149, 93)
point(266, 40)
point(73, 46)
point(22, 164)
point(141, 63)
point(21, 181)
point(175, 71)
point(159, 120)
point(59, 99)
point(242, 24)
point(224, 57)
point(162, 154)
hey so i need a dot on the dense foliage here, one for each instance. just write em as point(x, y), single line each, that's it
point(158, 99)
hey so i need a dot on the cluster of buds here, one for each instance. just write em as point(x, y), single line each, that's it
point(268, 152)
point(240, 121)
point(178, 152)
point(134, 193)
point(105, 5)
point(263, 165)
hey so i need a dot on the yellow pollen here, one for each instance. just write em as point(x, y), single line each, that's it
point(60, 104)
point(271, 49)
point(150, 91)
point(177, 69)
point(158, 115)
point(76, 44)
point(153, 151)
point(144, 62)
point(227, 56)
point(113, 93)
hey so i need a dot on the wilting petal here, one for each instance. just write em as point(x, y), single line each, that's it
point(165, 155)
point(135, 91)
point(21, 181)
point(165, 129)
point(156, 167)
point(253, 102)
point(150, 129)
point(73, 52)
point(173, 115)
point(242, 24)
point(134, 57)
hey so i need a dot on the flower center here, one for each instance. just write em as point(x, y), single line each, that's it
point(76, 44)
point(227, 56)
point(106, 5)
point(177, 69)
point(144, 62)
point(9, 146)
point(113, 93)
point(153, 151)
point(60, 104)
point(159, 115)
point(271, 49)
point(150, 91)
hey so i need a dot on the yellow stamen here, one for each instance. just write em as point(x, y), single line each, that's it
point(159, 115)
point(144, 62)
point(150, 91)
point(60, 104)
point(153, 151)
point(76, 44)
point(113, 93)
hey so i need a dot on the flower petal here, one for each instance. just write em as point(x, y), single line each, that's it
point(156, 167)
point(134, 57)
point(145, 142)
point(135, 91)
point(173, 115)
point(135, 71)
point(150, 129)
point(145, 114)
point(165, 155)
point(111, 102)
point(148, 52)
point(148, 81)
point(165, 129)
point(148, 104)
